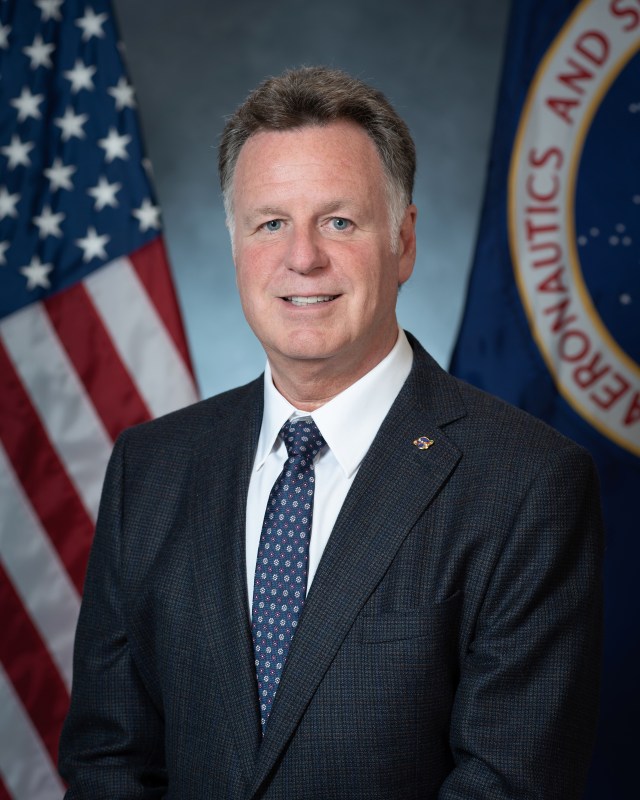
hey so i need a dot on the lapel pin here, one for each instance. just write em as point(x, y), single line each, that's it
point(423, 442)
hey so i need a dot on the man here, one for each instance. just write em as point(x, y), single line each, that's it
point(439, 634)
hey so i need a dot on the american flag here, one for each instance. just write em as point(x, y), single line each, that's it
point(91, 341)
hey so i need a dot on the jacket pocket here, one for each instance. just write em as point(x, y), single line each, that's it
point(391, 626)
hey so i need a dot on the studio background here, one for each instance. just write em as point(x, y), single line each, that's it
point(194, 62)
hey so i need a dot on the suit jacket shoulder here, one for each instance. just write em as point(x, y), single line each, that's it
point(186, 426)
point(486, 428)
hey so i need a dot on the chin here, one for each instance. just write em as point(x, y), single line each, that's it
point(309, 340)
point(305, 354)
point(305, 348)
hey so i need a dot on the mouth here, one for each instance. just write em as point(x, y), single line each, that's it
point(298, 300)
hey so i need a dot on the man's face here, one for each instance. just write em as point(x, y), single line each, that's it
point(315, 266)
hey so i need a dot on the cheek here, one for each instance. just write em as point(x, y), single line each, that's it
point(247, 290)
point(256, 265)
point(247, 272)
point(252, 280)
point(381, 278)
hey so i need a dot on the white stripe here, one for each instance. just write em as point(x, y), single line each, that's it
point(140, 337)
point(75, 429)
point(26, 768)
point(36, 572)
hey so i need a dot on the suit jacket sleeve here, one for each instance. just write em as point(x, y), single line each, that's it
point(524, 712)
point(111, 744)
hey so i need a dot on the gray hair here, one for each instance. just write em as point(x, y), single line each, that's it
point(319, 96)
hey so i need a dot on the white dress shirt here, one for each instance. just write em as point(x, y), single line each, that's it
point(349, 423)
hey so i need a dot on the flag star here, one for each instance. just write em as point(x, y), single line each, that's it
point(27, 104)
point(93, 245)
point(123, 94)
point(39, 53)
point(148, 215)
point(37, 274)
point(91, 24)
point(50, 9)
point(105, 194)
point(5, 30)
point(4, 246)
point(71, 125)
point(81, 76)
point(48, 223)
point(59, 175)
point(17, 152)
point(114, 145)
point(8, 203)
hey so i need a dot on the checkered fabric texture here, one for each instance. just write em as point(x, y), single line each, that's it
point(283, 555)
point(449, 647)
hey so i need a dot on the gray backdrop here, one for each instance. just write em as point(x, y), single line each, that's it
point(193, 61)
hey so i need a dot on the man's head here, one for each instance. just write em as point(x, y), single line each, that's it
point(319, 96)
point(322, 226)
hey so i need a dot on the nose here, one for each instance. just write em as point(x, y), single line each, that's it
point(305, 251)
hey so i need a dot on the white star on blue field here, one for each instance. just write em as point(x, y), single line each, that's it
point(74, 191)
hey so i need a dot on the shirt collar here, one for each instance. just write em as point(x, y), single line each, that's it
point(349, 421)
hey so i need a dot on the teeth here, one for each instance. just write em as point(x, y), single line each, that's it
point(307, 301)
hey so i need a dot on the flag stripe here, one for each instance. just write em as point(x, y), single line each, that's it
point(141, 337)
point(51, 494)
point(80, 358)
point(25, 765)
point(71, 422)
point(40, 688)
point(52, 601)
point(152, 266)
point(99, 367)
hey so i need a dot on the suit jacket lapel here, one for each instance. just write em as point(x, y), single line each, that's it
point(379, 511)
point(218, 524)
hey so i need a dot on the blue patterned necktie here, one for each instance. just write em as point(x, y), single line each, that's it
point(280, 585)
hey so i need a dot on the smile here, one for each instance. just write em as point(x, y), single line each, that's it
point(308, 301)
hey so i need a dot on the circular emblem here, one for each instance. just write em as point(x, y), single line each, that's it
point(574, 215)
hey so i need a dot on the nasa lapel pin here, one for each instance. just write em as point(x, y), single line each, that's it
point(423, 442)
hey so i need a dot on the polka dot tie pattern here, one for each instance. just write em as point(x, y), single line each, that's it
point(280, 585)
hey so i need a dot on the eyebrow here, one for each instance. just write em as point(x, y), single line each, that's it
point(328, 208)
point(263, 211)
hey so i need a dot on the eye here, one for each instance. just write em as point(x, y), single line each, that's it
point(273, 225)
point(340, 223)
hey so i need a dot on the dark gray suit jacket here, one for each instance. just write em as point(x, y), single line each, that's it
point(449, 646)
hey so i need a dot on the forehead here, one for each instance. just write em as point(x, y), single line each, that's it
point(339, 152)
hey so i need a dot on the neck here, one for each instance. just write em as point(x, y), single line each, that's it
point(305, 395)
point(309, 384)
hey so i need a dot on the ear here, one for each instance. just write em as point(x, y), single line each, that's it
point(407, 237)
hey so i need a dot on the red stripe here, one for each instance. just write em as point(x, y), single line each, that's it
point(42, 474)
point(4, 792)
point(152, 266)
point(30, 668)
point(90, 349)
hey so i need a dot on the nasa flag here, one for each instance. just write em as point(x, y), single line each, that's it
point(552, 321)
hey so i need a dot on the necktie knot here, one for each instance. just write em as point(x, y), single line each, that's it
point(302, 439)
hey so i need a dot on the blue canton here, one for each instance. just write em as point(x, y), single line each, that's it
point(75, 193)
